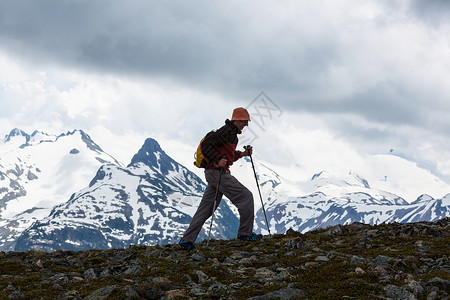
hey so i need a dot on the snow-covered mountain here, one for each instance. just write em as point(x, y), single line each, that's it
point(149, 202)
point(331, 198)
point(39, 171)
point(65, 192)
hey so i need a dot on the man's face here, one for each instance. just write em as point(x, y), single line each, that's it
point(240, 124)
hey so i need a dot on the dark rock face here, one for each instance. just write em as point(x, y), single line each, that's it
point(151, 154)
point(74, 151)
point(356, 261)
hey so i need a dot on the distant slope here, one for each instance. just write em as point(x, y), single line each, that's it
point(39, 171)
point(342, 198)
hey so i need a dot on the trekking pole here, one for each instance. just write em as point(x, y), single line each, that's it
point(214, 207)
point(259, 191)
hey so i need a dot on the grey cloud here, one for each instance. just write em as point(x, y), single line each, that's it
point(209, 46)
point(387, 103)
point(231, 48)
point(143, 37)
point(432, 11)
point(383, 103)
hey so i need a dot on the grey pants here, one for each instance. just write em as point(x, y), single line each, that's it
point(238, 194)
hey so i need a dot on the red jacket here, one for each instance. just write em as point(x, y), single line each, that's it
point(224, 142)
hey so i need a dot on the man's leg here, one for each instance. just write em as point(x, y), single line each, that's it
point(204, 210)
point(242, 198)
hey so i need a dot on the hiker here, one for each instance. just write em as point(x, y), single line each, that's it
point(223, 143)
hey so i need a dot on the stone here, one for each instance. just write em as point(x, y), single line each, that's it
point(89, 274)
point(400, 265)
point(282, 276)
point(198, 257)
point(161, 280)
point(197, 292)
point(310, 264)
point(248, 260)
point(102, 293)
point(217, 289)
point(399, 293)
point(336, 230)
point(16, 295)
point(236, 256)
point(264, 275)
point(130, 293)
point(321, 258)
point(383, 260)
point(290, 232)
point(282, 294)
point(439, 282)
point(71, 294)
point(78, 278)
point(134, 269)
point(10, 288)
point(105, 273)
point(215, 262)
point(40, 264)
point(229, 261)
point(415, 288)
point(202, 277)
point(358, 260)
point(175, 294)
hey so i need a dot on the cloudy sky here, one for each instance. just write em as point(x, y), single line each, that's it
point(328, 82)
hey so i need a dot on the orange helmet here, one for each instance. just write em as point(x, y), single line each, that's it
point(240, 114)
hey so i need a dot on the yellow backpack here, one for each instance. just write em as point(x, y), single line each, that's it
point(206, 150)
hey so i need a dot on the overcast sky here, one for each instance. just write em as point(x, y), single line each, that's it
point(341, 80)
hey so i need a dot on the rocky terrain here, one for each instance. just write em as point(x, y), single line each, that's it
point(356, 261)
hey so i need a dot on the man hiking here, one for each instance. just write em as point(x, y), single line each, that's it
point(220, 154)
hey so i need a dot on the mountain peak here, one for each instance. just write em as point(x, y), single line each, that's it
point(85, 138)
point(423, 198)
point(17, 132)
point(339, 179)
point(89, 142)
point(152, 155)
point(152, 145)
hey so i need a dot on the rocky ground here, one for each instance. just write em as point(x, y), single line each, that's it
point(357, 261)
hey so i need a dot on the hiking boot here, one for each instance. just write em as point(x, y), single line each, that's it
point(253, 237)
point(186, 245)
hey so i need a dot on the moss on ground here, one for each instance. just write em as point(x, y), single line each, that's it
point(318, 263)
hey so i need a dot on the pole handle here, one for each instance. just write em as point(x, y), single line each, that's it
point(246, 149)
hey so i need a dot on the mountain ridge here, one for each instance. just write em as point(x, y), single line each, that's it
point(143, 203)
